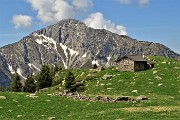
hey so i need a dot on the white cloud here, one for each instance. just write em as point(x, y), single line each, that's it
point(52, 11)
point(82, 4)
point(97, 21)
point(22, 21)
point(144, 2)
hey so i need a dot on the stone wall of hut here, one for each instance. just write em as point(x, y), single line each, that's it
point(126, 64)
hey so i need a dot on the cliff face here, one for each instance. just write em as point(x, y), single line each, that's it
point(71, 44)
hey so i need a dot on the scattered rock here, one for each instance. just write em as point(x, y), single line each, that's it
point(157, 77)
point(51, 118)
point(100, 68)
point(102, 84)
point(19, 116)
point(109, 83)
point(142, 97)
point(10, 110)
point(151, 83)
point(135, 91)
point(15, 100)
point(3, 97)
point(160, 84)
point(109, 88)
point(106, 77)
point(154, 72)
point(32, 96)
point(99, 98)
point(176, 67)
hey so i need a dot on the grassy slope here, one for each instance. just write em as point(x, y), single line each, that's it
point(161, 85)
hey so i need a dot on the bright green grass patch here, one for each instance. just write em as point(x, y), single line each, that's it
point(20, 106)
point(160, 84)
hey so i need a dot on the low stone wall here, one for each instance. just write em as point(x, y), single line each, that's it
point(78, 96)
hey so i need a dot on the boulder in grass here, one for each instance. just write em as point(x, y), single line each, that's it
point(51, 118)
point(142, 97)
point(106, 77)
point(3, 97)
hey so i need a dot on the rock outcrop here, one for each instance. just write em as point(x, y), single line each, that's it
point(71, 44)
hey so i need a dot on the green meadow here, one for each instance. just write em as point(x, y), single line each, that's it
point(161, 85)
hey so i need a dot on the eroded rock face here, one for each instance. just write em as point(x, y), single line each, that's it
point(71, 44)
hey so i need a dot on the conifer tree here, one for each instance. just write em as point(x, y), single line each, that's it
point(44, 78)
point(30, 85)
point(70, 82)
point(16, 84)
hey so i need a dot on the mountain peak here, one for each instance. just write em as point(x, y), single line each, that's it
point(71, 44)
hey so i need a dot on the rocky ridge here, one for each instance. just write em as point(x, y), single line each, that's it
point(71, 44)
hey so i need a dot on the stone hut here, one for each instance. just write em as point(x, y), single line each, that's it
point(134, 63)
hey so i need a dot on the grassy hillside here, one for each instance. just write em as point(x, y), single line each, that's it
point(161, 85)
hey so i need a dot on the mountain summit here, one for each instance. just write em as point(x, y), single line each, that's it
point(71, 44)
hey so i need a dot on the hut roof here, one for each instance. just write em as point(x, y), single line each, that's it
point(136, 58)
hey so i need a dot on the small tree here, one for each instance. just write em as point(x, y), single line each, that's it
point(58, 78)
point(70, 82)
point(71, 85)
point(16, 84)
point(44, 78)
point(30, 85)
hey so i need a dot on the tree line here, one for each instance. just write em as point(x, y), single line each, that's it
point(45, 78)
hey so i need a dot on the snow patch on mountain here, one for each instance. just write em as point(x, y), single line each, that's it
point(49, 42)
point(64, 47)
point(11, 69)
point(19, 72)
point(85, 55)
point(95, 62)
point(72, 52)
point(31, 65)
point(108, 58)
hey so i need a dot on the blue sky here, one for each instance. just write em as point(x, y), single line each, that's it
point(148, 20)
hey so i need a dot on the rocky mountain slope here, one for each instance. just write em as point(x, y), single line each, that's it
point(71, 44)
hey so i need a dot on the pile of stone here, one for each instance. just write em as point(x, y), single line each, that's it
point(78, 96)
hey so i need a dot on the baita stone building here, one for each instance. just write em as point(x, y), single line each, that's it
point(134, 63)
